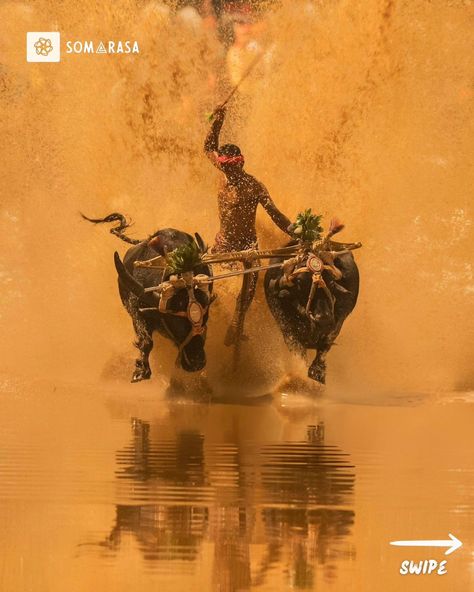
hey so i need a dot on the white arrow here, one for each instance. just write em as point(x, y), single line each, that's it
point(453, 543)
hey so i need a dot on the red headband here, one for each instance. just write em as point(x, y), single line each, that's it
point(230, 159)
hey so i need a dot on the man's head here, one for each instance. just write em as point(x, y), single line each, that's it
point(230, 159)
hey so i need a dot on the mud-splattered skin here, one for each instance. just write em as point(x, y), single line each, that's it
point(239, 194)
point(238, 198)
point(300, 331)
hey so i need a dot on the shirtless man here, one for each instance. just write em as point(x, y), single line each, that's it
point(238, 198)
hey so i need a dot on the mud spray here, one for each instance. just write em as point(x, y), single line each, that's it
point(365, 111)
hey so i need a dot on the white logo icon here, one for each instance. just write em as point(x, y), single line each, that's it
point(43, 46)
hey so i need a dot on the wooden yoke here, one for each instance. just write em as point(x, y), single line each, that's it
point(324, 245)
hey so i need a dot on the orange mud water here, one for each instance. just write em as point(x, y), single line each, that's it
point(361, 109)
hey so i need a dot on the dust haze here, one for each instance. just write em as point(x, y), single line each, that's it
point(362, 109)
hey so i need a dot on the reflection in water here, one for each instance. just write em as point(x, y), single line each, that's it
point(227, 497)
point(305, 475)
point(163, 532)
point(260, 505)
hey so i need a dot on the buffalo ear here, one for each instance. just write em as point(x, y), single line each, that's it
point(200, 242)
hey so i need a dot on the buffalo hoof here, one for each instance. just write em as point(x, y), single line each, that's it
point(317, 372)
point(140, 375)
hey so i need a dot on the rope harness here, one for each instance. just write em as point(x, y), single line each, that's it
point(314, 264)
point(195, 311)
point(312, 258)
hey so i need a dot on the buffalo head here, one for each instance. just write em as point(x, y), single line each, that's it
point(177, 306)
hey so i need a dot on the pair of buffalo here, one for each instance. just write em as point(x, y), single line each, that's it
point(309, 318)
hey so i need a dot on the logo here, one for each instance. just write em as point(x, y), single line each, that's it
point(46, 47)
point(107, 47)
point(43, 46)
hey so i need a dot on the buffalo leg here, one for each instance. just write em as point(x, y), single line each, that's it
point(317, 369)
point(144, 344)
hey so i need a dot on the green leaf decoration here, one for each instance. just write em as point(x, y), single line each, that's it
point(307, 227)
point(184, 258)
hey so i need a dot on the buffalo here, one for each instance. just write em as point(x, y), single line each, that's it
point(310, 300)
point(179, 306)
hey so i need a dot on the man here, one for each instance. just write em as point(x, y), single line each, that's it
point(238, 198)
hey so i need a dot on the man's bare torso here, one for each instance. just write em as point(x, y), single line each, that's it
point(237, 203)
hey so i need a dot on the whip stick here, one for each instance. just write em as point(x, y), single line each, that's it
point(234, 90)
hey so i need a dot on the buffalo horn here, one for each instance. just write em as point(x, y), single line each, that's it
point(127, 279)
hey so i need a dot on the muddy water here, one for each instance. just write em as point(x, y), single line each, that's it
point(103, 490)
point(362, 109)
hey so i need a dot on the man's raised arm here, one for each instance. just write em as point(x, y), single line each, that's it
point(278, 217)
point(211, 145)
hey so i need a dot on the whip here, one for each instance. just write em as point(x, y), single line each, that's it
point(245, 75)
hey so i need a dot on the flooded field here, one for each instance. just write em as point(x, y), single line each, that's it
point(103, 490)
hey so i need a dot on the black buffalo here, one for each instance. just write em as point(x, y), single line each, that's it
point(174, 322)
point(313, 321)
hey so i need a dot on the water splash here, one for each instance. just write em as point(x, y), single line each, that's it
point(364, 110)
